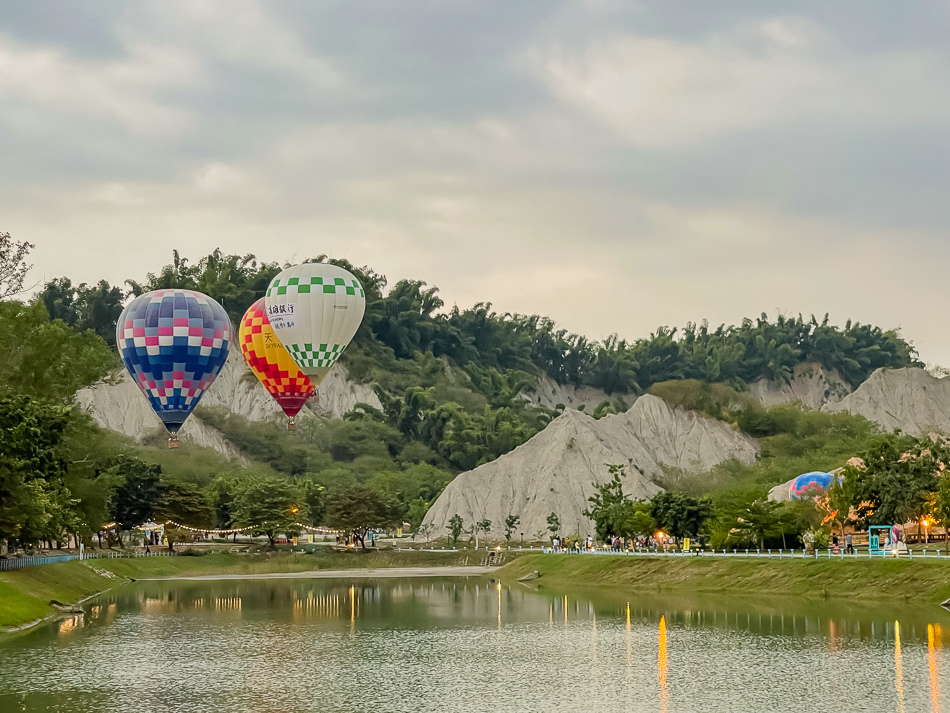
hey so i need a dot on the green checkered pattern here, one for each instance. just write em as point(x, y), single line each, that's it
point(330, 286)
point(324, 355)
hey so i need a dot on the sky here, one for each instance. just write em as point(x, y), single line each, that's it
point(613, 165)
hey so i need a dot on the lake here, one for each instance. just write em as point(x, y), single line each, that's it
point(470, 644)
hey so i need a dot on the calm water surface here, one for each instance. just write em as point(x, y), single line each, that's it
point(471, 645)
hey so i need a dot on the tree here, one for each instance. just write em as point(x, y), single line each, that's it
point(554, 524)
point(609, 508)
point(678, 514)
point(841, 496)
point(480, 526)
point(48, 359)
point(417, 512)
point(455, 527)
point(269, 504)
point(359, 509)
point(135, 499)
point(84, 308)
point(511, 522)
point(13, 267)
point(185, 504)
point(760, 520)
point(32, 469)
point(640, 522)
point(314, 497)
point(899, 479)
point(942, 505)
point(425, 530)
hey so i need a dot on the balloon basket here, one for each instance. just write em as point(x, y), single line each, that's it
point(173, 442)
point(291, 424)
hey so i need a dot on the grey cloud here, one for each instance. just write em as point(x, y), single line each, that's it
point(423, 139)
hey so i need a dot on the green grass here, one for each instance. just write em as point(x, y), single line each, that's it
point(25, 594)
point(889, 579)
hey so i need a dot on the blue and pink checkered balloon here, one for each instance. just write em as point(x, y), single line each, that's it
point(174, 343)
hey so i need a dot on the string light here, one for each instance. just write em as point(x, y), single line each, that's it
point(239, 530)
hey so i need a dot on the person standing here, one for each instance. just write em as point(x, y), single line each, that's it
point(849, 543)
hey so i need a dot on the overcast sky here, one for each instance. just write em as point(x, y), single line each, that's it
point(613, 165)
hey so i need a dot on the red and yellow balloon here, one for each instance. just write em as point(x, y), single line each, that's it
point(272, 363)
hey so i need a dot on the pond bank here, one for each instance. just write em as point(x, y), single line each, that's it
point(25, 594)
point(918, 581)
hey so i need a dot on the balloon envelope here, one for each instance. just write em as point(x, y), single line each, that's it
point(174, 343)
point(315, 309)
point(809, 485)
point(271, 363)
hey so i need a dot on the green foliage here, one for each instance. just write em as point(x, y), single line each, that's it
point(714, 400)
point(511, 522)
point(34, 501)
point(900, 479)
point(271, 504)
point(358, 509)
point(13, 267)
point(236, 282)
point(799, 441)
point(554, 524)
point(678, 514)
point(47, 359)
point(609, 508)
point(183, 502)
point(96, 309)
point(455, 528)
point(138, 493)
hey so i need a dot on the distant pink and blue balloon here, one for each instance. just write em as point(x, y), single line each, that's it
point(808, 485)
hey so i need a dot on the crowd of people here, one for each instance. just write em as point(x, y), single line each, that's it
point(617, 544)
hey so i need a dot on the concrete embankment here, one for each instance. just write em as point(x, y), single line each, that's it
point(918, 581)
point(26, 594)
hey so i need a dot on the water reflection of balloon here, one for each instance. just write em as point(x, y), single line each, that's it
point(315, 310)
point(173, 343)
point(272, 364)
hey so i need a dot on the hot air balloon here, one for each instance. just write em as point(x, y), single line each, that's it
point(809, 485)
point(174, 343)
point(315, 309)
point(272, 364)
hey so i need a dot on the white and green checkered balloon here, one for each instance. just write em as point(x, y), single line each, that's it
point(315, 309)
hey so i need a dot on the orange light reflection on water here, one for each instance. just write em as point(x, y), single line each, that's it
point(933, 643)
point(898, 668)
point(661, 665)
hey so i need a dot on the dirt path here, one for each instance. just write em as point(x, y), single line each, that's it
point(389, 572)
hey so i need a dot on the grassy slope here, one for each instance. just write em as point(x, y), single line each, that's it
point(919, 581)
point(25, 594)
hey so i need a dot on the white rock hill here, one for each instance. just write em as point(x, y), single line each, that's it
point(555, 471)
point(811, 384)
point(549, 393)
point(909, 399)
point(118, 405)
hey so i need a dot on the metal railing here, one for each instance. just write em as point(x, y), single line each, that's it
point(13, 563)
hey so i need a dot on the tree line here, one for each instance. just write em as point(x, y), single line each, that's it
point(409, 320)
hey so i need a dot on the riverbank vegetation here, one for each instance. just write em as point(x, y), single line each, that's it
point(879, 579)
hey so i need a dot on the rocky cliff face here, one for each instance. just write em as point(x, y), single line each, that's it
point(909, 399)
point(119, 406)
point(549, 393)
point(811, 384)
point(555, 471)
